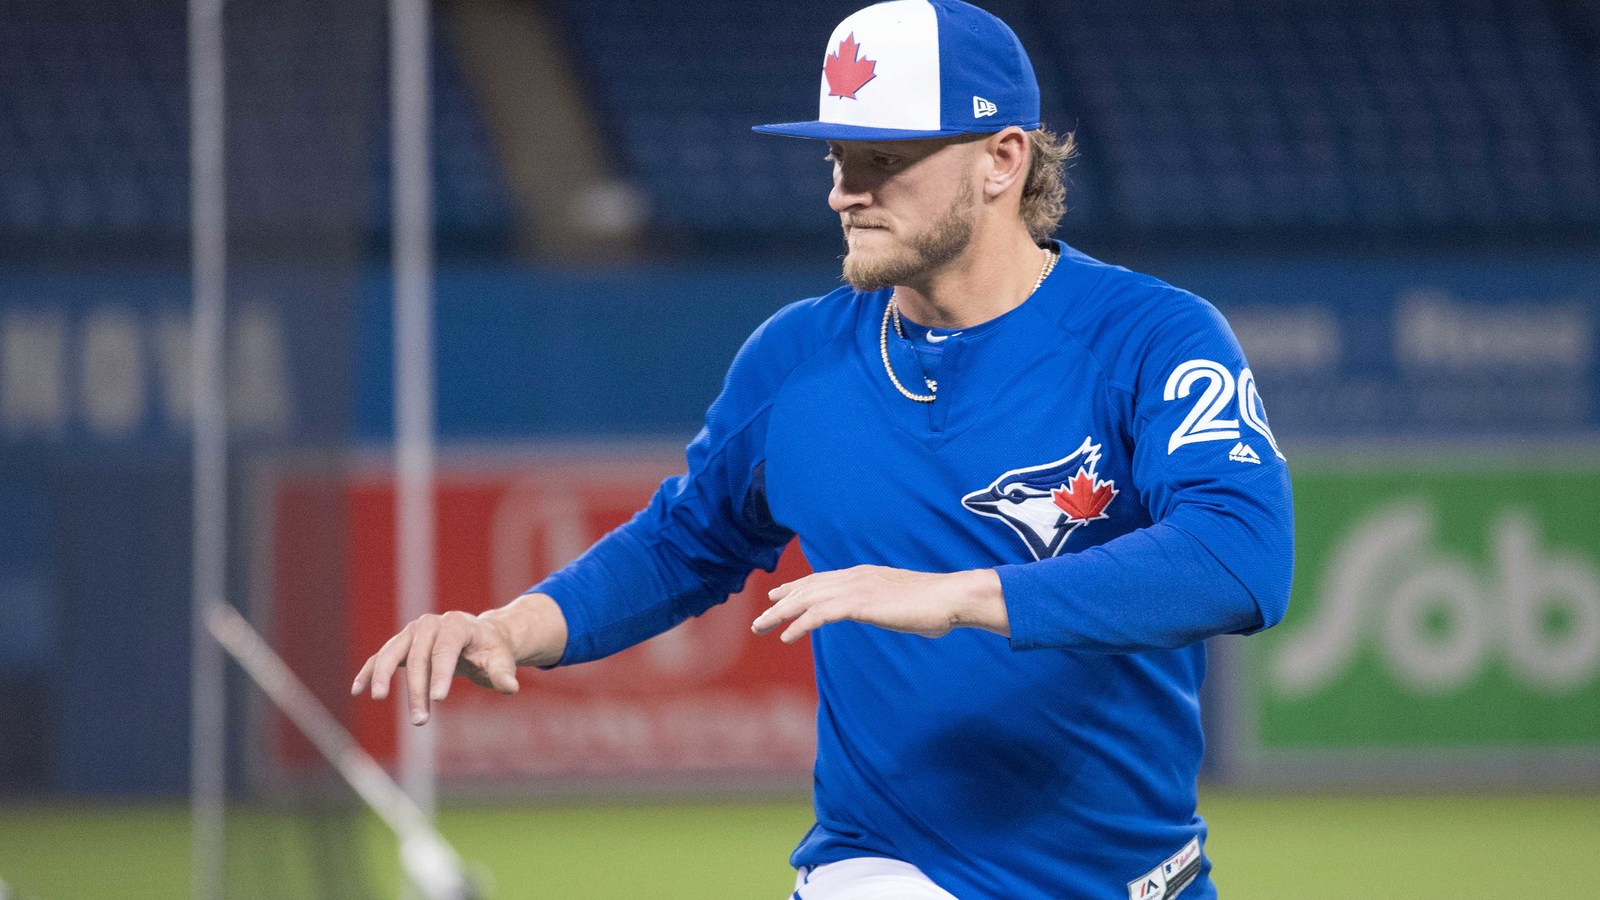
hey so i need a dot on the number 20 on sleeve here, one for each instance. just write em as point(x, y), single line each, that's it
point(1205, 421)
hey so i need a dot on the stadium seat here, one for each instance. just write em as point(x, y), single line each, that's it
point(94, 123)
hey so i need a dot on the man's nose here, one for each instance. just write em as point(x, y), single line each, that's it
point(848, 192)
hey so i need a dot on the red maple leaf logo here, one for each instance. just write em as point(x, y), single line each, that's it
point(1085, 497)
point(845, 71)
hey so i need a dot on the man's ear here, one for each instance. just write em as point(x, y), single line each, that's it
point(1007, 152)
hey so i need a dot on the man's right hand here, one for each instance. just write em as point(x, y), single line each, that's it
point(486, 649)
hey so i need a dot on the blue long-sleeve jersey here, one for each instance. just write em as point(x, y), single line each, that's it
point(1104, 447)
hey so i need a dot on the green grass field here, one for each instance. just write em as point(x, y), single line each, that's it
point(1307, 848)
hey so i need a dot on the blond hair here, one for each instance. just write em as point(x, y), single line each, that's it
point(1044, 193)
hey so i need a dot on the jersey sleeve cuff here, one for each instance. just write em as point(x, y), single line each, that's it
point(1022, 614)
point(618, 566)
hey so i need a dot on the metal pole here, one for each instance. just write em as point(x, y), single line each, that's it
point(432, 865)
point(208, 248)
point(413, 355)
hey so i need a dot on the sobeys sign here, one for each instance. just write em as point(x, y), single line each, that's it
point(1448, 608)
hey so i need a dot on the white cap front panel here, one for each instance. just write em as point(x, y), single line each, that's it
point(882, 68)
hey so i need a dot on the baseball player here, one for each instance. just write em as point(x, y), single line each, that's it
point(1030, 484)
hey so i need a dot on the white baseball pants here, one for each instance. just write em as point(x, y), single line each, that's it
point(866, 878)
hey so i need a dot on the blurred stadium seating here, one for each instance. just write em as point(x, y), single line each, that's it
point(1313, 117)
point(94, 128)
point(1309, 118)
point(680, 88)
point(1423, 115)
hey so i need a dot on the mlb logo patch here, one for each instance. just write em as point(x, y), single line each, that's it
point(1188, 856)
point(1169, 879)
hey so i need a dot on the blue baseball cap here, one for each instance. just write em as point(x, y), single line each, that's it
point(919, 69)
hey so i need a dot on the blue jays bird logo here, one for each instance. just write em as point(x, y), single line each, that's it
point(1046, 503)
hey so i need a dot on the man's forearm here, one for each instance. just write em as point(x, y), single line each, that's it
point(1154, 588)
point(535, 628)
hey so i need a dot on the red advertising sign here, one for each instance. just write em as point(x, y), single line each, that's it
point(705, 700)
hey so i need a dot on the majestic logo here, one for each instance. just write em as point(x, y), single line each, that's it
point(846, 71)
point(1044, 504)
point(1244, 453)
point(982, 107)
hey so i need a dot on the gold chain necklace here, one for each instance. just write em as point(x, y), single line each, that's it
point(892, 311)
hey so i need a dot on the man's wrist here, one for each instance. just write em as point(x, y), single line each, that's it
point(980, 602)
point(534, 627)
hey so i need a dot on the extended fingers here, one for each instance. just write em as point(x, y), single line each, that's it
point(434, 649)
point(787, 588)
point(809, 608)
point(446, 651)
point(833, 579)
point(793, 603)
point(379, 669)
point(793, 599)
point(814, 617)
point(888, 598)
point(418, 668)
point(362, 677)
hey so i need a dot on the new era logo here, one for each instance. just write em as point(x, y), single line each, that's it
point(1242, 452)
point(982, 107)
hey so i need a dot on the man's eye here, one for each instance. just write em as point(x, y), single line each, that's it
point(886, 162)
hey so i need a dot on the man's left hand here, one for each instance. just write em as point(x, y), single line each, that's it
point(922, 603)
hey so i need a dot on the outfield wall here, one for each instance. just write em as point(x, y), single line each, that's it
point(1444, 627)
point(1364, 364)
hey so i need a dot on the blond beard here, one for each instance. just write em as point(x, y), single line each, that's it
point(939, 244)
